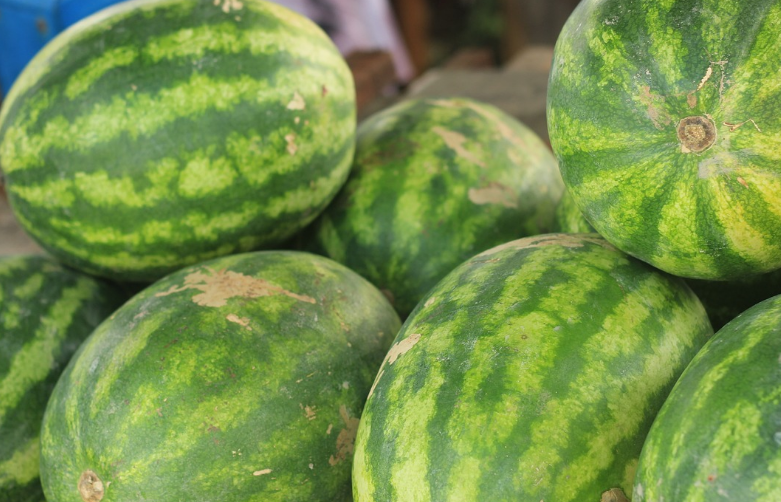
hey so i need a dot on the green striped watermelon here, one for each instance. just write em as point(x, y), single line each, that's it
point(532, 372)
point(238, 379)
point(46, 311)
point(160, 133)
point(663, 115)
point(568, 218)
point(717, 437)
point(434, 182)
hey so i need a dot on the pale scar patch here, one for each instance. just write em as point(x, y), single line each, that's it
point(345, 441)
point(398, 349)
point(297, 102)
point(494, 193)
point(565, 240)
point(217, 287)
point(229, 5)
point(261, 472)
point(430, 301)
point(455, 141)
point(243, 321)
point(292, 148)
point(330, 428)
point(656, 111)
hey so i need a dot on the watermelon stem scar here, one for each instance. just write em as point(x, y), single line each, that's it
point(696, 134)
point(90, 486)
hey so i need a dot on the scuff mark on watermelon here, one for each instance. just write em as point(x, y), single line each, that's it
point(614, 495)
point(262, 472)
point(243, 321)
point(297, 103)
point(345, 441)
point(455, 142)
point(309, 411)
point(229, 5)
point(330, 428)
point(292, 148)
point(398, 349)
point(430, 301)
point(494, 193)
point(217, 287)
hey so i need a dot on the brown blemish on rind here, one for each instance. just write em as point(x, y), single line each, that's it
point(455, 142)
point(345, 441)
point(261, 472)
point(91, 487)
point(292, 148)
point(228, 5)
point(219, 286)
point(656, 111)
point(494, 193)
point(397, 350)
point(696, 134)
point(614, 495)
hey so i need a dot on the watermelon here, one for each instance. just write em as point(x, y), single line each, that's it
point(663, 117)
point(533, 371)
point(568, 218)
point(46, 311)
point(434, 182)
point(717, 436)
point(238, 379)
point(160, 133)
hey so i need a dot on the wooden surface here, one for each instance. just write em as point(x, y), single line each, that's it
point(13, 240)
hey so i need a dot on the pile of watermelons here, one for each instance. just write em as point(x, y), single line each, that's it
point(164, 142)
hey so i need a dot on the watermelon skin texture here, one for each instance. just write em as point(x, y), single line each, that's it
point(238, 379)
point(716, 437)
point(531, 372)
point(568, 219)
point(46, 311)
point(663, 117)
point(158, 134)
point(434, 182)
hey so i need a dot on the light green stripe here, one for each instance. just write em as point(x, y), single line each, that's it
point(667, 48)
point(84, 78)
point(33, 362)
point(586, 135)
point(679, 218)
point(30, 288)
point(737, 436)
point(206, 176)
point(22, 467)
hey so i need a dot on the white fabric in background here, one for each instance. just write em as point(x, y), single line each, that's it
point(358, 25)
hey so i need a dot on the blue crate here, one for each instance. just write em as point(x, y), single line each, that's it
point(27, 25)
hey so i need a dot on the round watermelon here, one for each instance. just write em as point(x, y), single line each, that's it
point(533, 371)
point(159, 133)
point(717, 436)
point(242, 378)
point(46, 311)
point(663, 117)
point(434, 182)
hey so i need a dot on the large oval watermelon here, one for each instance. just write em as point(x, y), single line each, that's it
point(434, 182)
point(531, 372)
point(238, 379)
point(160, 133)
point(717, 437)
point(46, 311)
point(664, 119)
